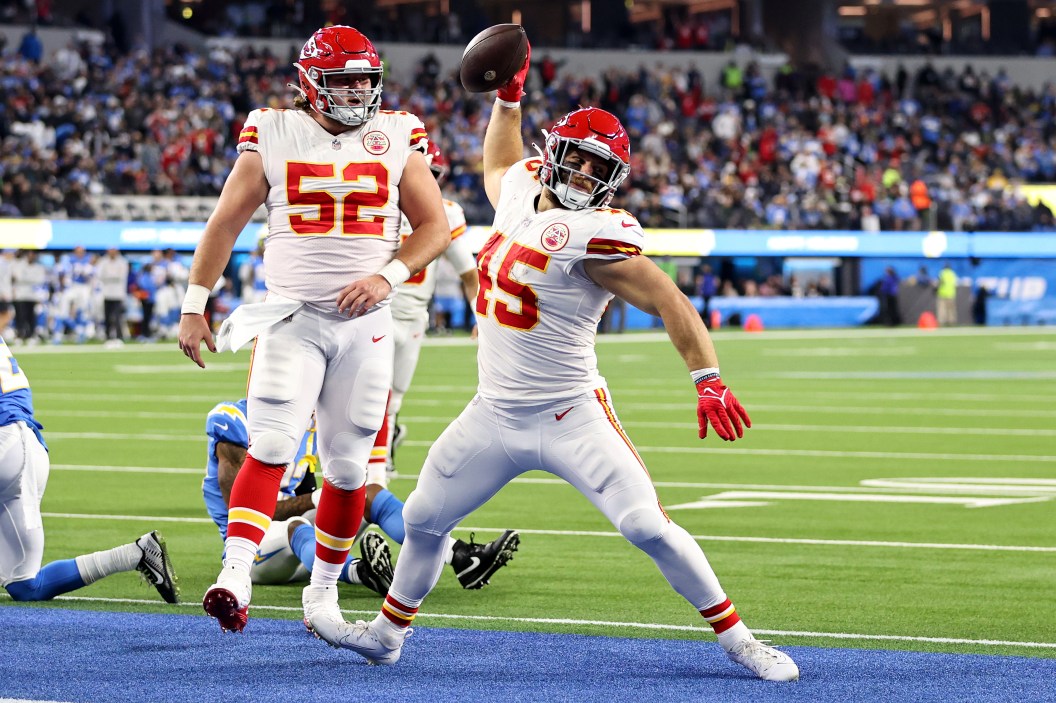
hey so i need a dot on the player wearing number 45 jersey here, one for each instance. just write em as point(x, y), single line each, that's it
point(558, 255)
point(335, 175)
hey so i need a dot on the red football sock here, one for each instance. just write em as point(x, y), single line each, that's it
point(379, 454)
point(336, 523)
point(721, 617)
point(253, 499)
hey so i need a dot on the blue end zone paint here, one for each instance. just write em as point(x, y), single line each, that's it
point(68, 655)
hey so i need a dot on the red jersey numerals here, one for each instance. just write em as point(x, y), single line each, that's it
point(497, 275)
point(371, 189)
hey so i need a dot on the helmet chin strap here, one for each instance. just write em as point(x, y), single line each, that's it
point(570, 197)
point(347, 115)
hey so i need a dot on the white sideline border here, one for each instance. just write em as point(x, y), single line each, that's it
point(455, 617)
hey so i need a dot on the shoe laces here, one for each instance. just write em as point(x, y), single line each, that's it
point(759, 648)
point(363, 629)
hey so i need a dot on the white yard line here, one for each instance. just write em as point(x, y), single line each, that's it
point(821, 453)
point(97, 468)
point(701, 630)
point(774, 427)
point(110, 436)
point(592, 533)
point(836, 409)
point(1016, 458)
point(943, 485)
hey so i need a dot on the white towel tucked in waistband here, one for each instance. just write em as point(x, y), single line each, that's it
point(248, 321)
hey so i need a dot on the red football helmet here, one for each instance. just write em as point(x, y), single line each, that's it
point(596, 132)
point(338, 51)
point(437, 162)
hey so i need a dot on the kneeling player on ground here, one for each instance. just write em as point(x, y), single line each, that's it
point(287, 552)
point(288, 548)
point(24, 468)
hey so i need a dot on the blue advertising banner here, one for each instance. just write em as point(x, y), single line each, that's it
point(100, 235)
point(131, 236)
point(1021, 291)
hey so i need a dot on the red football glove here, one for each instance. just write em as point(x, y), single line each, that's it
point(717, 406)
point(513, 90)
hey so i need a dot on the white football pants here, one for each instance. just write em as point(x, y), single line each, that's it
point(24, 468)
point(409, 335)
point(276, 562)
point(579, 440)
point(341, 368)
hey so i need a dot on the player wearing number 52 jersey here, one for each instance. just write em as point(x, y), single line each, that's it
point(558, 255)
point(335, 174)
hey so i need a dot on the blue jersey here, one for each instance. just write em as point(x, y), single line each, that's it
point(16, 400)
point(79, 269)
point(227, 423)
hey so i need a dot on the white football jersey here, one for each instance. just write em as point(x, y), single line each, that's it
point(537, 310)
point(413, 295)
point(333, 206)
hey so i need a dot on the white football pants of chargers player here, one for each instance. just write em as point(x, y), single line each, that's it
point(578, 439)
point(276, 562)
point(339, 367)
point(24, 468)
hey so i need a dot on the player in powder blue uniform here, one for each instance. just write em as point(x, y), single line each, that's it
point(24, 468)
point(287, 552)
point(288, 549)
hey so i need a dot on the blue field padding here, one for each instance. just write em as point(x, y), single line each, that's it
point(70, 655)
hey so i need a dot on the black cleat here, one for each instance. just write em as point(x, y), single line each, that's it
point(375, 568)
point(475, 563)
point(156, 566)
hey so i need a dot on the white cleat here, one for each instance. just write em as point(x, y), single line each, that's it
point(322, 614)
point(764, 661)
point(227, 600)
point(377, 648)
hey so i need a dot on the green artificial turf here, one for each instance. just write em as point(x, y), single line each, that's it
point(831, 410)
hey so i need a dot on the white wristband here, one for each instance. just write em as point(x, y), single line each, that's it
point(195, 299)
point(395, 272)
point(507, 103)
point(707, 374)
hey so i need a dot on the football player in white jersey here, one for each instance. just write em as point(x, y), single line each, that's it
point(335, 175)
point(556, 258)
point(410, 318)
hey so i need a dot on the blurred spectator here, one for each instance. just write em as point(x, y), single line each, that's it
point(888, 294)
point(707, 288)
point(145, 292)
point(113, 274)
point(31, 48)
point(946, 297)
point(29, 278)
point(7, 290)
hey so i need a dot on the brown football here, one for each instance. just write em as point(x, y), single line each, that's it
point(493, 57)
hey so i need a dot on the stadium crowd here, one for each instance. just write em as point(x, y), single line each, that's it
point(805, 149)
